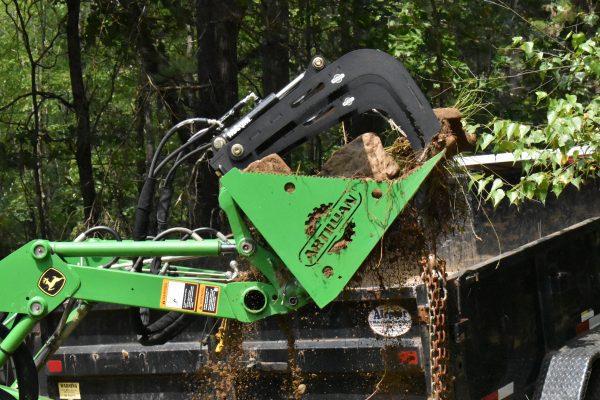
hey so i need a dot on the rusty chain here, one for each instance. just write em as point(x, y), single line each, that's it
point(434, 277)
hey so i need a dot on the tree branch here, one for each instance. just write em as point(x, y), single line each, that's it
point(44, 95)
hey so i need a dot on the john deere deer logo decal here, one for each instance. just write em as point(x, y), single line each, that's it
point(51, 282)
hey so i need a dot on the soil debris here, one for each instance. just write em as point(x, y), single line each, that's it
point(315, 217)
point(451, 135)
point(271, 164)
point(364, 157)
point(223, 377)
point(296, 383)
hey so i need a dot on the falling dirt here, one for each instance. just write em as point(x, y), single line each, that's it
point(296, 384)
point(223, 376)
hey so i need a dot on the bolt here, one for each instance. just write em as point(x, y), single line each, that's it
point(247, 247)
point(318, 63)
point(36, 308)
point(219, 142)
point(293, 301)
point(237, 150)
point(39, 250)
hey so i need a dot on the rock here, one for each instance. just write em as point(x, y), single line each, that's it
point(271, 164)
point(301, 389)
point(364, 157)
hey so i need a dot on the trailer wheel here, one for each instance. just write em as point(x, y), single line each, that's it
point(593, 387)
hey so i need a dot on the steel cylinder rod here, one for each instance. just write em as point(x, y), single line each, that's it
point(131, 248)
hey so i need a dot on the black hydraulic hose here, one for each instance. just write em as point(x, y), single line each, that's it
point(172, 325)
point(166, 191)
point(144, 206)
point(170, 133)
point(179, 161)
point(102, 228)
point(177, 151)
point(168, 325)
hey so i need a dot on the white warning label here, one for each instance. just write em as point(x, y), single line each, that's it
point(390, 320)
point(179, 295)
point(69, 391)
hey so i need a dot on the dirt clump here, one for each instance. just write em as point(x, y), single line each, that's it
point(451, 135)
point(315, 217)
point(271, 164)
point(364, 157)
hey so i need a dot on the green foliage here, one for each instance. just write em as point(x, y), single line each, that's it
point(563, 149)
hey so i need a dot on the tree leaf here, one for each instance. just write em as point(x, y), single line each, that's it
point(577, 39)
point(527, 48)
point(510, 129)
point(540, 96)
point(497, 196)
point(485, 141)
point(513, 196)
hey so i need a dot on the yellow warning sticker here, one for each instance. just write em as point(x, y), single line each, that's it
point(177, 295)
point(69, 391)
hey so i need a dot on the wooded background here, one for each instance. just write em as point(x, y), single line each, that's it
point(87, 89)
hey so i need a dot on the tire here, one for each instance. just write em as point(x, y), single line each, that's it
point(26, 372)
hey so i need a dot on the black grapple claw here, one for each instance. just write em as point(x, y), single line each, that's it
point(357, 82)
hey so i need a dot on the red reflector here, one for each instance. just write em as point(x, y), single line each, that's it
point(408, 357)
point(491, 396)
point(55, 366)
point(582, 327)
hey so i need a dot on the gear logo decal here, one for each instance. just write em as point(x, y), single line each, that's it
point(51, 282)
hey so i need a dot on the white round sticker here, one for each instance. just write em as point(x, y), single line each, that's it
point(390, 321)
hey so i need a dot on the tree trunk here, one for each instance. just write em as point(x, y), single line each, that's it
point(345, 18)
point(275, 46)
point(218, 25)
point(155, 62)
point(144, 132)
point(42, 228)
point(83, 153)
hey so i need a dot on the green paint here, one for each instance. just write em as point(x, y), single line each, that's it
point(279, 206)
